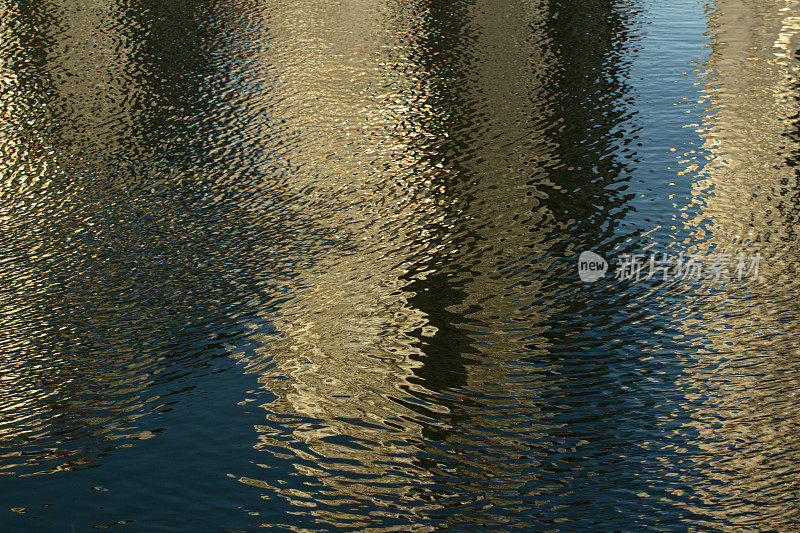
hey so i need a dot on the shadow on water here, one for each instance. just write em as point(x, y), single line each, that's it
point(540, 388)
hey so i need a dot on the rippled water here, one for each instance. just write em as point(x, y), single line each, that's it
point(312, 265)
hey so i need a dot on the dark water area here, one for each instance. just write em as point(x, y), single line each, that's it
point(313, 265)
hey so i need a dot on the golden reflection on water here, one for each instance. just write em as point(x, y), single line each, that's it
point(740, 458)
point(346, 349)
point(37, 379)
point(349, 355)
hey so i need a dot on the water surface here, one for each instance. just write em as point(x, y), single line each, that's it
point(312, 265)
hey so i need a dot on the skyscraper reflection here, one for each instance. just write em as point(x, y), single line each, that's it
point(740, 431)
point(440, 147)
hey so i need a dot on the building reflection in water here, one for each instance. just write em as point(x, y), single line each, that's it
point(129, 254)
point(442, 148)
point(738, 454)
point(48, 390)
